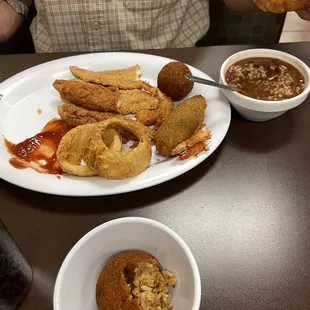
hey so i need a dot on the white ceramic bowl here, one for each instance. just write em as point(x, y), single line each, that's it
point(261, 110)
point(76, 280)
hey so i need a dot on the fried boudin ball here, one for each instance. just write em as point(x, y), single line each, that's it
point(172, 82)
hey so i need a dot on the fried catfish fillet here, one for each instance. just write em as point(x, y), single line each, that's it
point(132, 101)
point(122, 78)
point(88, 95)
point(76, 116)
point(157, 116)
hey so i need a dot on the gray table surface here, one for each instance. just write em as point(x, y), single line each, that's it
point(244, 212)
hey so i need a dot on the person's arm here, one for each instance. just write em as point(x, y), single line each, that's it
point(12, 13)
point(304, 14)
point(241, 5)
point(250, 6)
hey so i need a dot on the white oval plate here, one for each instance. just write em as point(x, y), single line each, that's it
point(30, 90)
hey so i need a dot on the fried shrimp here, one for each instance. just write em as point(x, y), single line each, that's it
point(199, 136)
point(180, 125)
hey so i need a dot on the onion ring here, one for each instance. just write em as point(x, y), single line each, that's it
point(70, 152)
point(117, 164)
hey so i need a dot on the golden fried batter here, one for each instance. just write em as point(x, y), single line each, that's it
point(172, 82)
point(281, 6)
point(155, 117)
point(134, 280)
point(180, 125)
point(122, 78)
point(132, 101)
point(113, 164)
point(88, 95)
point(75, 116)
point(71, 149)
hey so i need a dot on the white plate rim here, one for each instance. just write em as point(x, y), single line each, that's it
point(192, 163)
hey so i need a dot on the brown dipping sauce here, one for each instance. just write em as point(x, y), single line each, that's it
point(265, 78)
point(39, 151)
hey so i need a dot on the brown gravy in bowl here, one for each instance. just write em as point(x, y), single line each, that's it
point(265, 78)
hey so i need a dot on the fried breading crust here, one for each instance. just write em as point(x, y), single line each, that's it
point(73, 145)
point(132, 101)
point(112, 291)
point(281, 6)
point(180, 125)
point(172, 82)
point(88, 95)
point(76, 116)
point(113, 164)
point(155, 117)
point(122, 78)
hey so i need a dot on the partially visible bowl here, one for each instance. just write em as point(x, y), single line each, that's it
point(262, 110)
point(76, 281)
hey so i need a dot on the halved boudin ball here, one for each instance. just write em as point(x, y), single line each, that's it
point(134, 280)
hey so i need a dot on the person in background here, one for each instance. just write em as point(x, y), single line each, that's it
point(79, 26)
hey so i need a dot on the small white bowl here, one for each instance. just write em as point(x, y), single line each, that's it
point(76, 281)
point(261, 110)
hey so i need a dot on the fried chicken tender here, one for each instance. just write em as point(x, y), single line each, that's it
point(155, 117)
point(122, 78)
point(132, 101)
point(76, 116)
point(88, 95)
point(180, 125)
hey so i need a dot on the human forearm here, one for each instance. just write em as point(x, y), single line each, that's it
point(302, 8)
point(241, 5)
point(10, 21)
point(304, 14)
